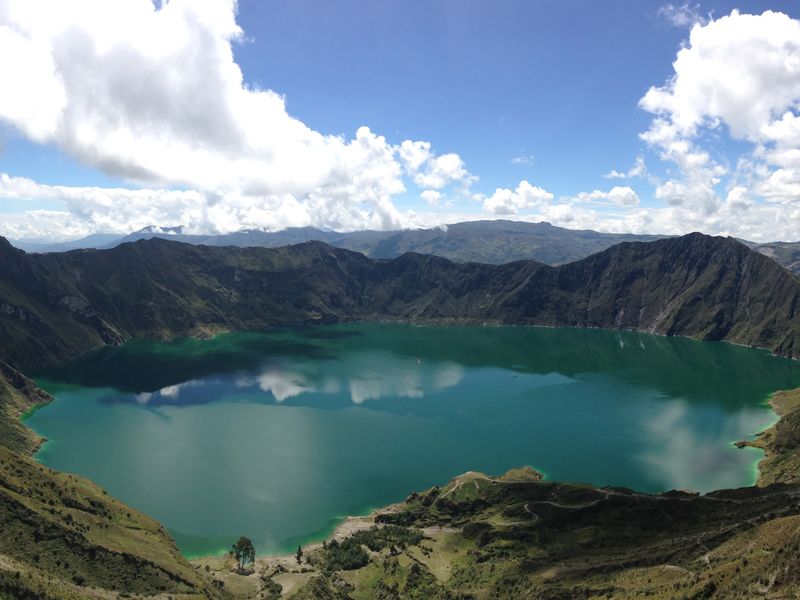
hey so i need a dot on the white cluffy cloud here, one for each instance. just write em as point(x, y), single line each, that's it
point(121, 210)
point(510, 202)
point(737, 76)
point(620, 196)
point(430, 171)
point(153, 95)
point(740, 70)
point(432, 197)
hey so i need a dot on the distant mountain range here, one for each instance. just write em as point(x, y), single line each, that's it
point(785, 253)
point(492, 242)
point(58, 305)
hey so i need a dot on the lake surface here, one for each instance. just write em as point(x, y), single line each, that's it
point(277, 436)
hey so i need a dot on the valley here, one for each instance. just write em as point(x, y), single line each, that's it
point(487, 539)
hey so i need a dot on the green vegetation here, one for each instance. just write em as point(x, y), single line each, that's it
point(244, 552)
point(324, 587)
point(18, 396)
point(392, 537)
point(350, 553)
point(495, 538)
point(271, 589)
point(344, 556)
point(781, 462)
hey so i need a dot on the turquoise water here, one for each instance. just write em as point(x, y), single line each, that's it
point(277, 436)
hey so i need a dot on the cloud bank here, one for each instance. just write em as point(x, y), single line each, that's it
point(152, 95)
point(737, 77)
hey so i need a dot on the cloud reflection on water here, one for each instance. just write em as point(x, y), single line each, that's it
point(360, 377)
point(688, 453)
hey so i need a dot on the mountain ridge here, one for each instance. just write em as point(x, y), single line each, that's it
point(56, 306)
point(494, 241)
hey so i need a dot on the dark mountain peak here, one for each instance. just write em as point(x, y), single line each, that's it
point(312, 244)
point(152, 246)
point(306, 229)
point(712, 243)
point(422, 259)
point(694, 251)
point(7, 249)
point(153, 241)
point(316, 247)
point(502, 225)
point(697, 236)
point(695, 241)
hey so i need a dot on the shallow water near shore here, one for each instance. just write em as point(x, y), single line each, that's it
point(278, 435)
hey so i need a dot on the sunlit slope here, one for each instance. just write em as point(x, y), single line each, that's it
point(510, 538)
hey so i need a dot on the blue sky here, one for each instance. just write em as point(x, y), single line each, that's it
point(544, 92)
point(558, 81)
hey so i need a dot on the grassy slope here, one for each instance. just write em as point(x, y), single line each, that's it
point(18, 395)
point(493, 539)
point(62, 537)
point(781, 442)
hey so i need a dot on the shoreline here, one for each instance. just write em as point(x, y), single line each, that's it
point(208, 332)
point(352, 523)
point(779, 464)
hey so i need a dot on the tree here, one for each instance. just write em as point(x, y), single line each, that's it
point(299, 555)
point(244, 552)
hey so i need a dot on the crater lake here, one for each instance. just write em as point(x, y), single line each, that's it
point(279, 435)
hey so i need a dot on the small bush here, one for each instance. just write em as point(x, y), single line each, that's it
point(345, 556)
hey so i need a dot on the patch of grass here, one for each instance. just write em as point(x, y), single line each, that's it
point(18, 397)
